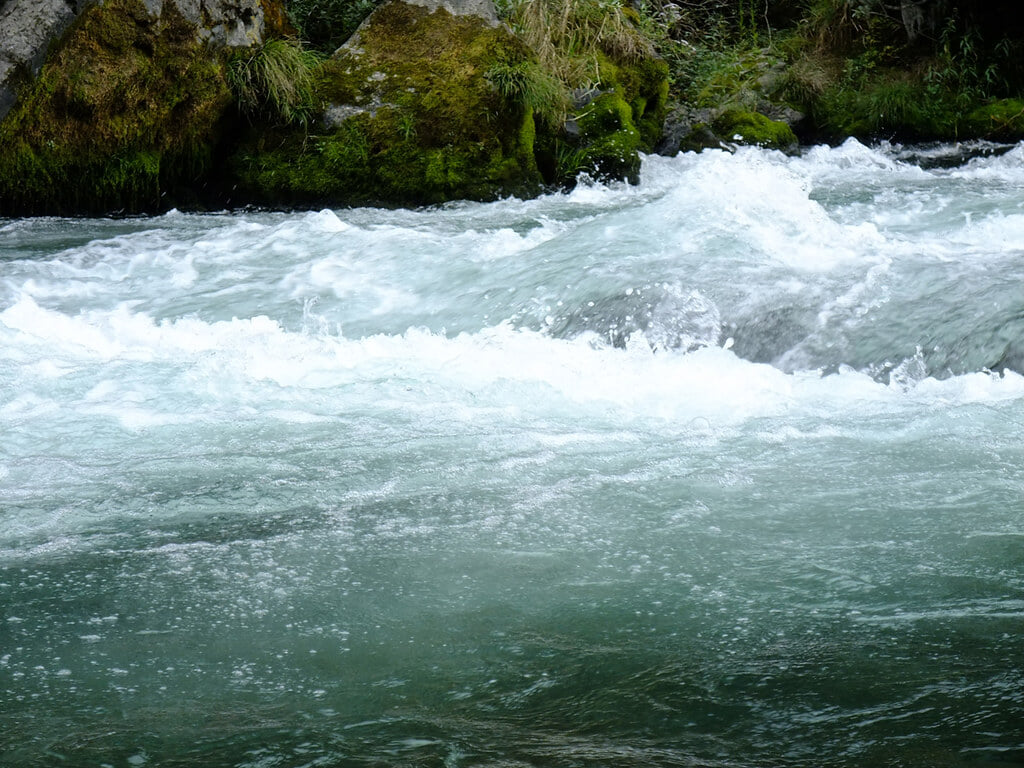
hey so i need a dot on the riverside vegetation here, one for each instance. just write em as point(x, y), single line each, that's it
point(360, 101)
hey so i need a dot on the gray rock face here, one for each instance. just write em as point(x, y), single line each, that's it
point(483, 8)
point(26, 29)
point(223, 23)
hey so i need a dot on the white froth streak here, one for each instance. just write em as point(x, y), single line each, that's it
point(255, 363)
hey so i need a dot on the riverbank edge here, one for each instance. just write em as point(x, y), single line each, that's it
point(136, 107)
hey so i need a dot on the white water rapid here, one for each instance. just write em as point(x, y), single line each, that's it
point(724, 469)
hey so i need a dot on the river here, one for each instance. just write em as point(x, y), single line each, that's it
point(722, 469)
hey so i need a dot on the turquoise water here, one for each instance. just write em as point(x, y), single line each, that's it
point(723, 469)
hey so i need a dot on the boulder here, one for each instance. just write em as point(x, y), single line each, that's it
point(129, 107)
point(145, 104)
point(411, 117)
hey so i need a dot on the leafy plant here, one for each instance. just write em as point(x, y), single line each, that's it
point(570, 162)
point(276, 80)
point(960, 71)
point(407, 126)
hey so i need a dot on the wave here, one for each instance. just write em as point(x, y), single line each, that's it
point(145, 373)
point(724, 286)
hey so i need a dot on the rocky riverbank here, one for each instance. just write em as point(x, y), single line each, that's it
point(126, 106)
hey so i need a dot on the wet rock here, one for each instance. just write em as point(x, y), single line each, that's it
point(667, 317)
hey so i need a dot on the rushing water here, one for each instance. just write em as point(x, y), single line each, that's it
point(724, 469)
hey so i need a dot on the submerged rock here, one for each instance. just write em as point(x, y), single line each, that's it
point(667, 317)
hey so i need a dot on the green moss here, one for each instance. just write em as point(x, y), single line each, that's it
point(1003, 119)
point(610, 139)
point(625, 119)
point(754, 128)
point(643, 84)
point(425, 124)
point(123, 116)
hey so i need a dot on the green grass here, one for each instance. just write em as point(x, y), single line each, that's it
point(276, 81)
point(571, 36)
point(528, 83)
point(327, 24)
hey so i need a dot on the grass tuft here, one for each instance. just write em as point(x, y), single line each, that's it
point(528, 83)
point(569, 36)
point(276, 81)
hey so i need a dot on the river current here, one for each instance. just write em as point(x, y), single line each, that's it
point(723, 469)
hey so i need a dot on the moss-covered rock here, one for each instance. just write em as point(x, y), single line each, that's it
point(410, 118)
point(740, 96)
point(1003, 120)
point(124, 116)
point(716, 128)
point(607, 132)
point(609, 138)
point(754, 128)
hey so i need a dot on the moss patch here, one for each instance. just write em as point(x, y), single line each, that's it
point(1003, 119)
point(414, 120)
point(643, 84)
point(123, 117)
point(610, 139)
point(754, 128)
point(626, 118)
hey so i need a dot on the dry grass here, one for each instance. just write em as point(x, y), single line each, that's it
point(569, 35)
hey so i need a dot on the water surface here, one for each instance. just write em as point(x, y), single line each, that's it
point(723, 469)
